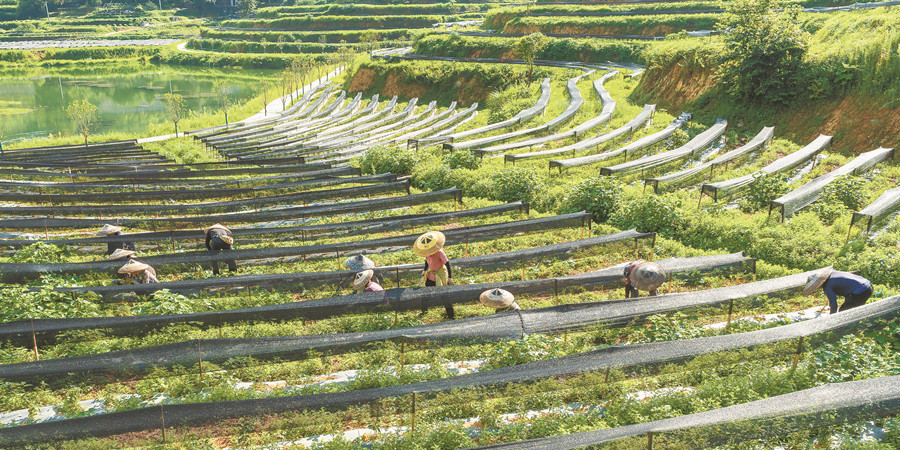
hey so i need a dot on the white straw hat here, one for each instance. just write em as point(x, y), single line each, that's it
point(497, 298)
point(133, 266)
point(227, 239)
point(429, 243)
point(108, 230)
point(816, 280)
point(217, 226)
point(120, 253)
point(648, 276)
point(362, 279)
point(359, 263)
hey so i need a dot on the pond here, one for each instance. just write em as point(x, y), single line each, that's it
point(34, 104)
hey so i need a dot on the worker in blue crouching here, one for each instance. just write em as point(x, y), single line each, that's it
point(643, 276)
point(855, 289)
point(218, 238)
point(115, 244)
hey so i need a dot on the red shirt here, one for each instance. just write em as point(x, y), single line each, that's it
point(435, 261)
point(373, 287)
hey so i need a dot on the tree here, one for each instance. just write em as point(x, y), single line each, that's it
point(175, 108)
point(264, 88)
point(285, 88)
point(764, 50)
point(528, 48)
point(85, 115)
point(222, 88)
point(247, 8)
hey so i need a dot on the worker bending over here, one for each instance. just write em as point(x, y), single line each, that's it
point(855, 289)
point(218, 238)
point(643, 276)
point(113, 245)
point(138, 272)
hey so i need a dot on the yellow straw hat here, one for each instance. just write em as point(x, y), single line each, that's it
point(133, 266)
point(227, 239)
point(429, 243)
point(120, 253)
point(362, 279)
point(497, 298)
point(816, 280)
point(217, 226)
point(108, 230)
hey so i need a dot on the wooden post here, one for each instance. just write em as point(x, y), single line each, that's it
point(556, 290)
point(162, 420)
point(649, 440)
point(397, 272)
point(730, 310)
point(523, 269)
point(200, 359)
point(34, 341)
point(413, 421)
point(797, 355)
point(402, 354)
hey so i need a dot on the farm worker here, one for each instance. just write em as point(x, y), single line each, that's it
point(499, 299)
point(219, 238)
point(364, 283)
point(437, 270)
point(121, 254)
point(138, 272)
point(643, 276)
point(112, 245)
point(855, 289)
point(360, 263)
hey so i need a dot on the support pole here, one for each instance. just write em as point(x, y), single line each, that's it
point(797, 355)
point(162, 420)
point(200, 359)
point(413, 422)
point(730, 311)
point(34, 341)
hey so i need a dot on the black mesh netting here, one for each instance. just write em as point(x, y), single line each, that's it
point(306, 232)
point(821, 406)
point(106, 167)
point(370, 205)
point(57, 148)
point(804, 195)
point(758, 142)
point(728, 188)
point(878, 210)
point(630, 127)
point(179, 173)
point(556, 319)
point(624, 357)
point(399, 299)
point(392, 187)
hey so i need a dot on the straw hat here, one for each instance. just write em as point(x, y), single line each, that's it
point(227, 239)
point(816, 280)
point(217, 226)
point(648, 276)
point(359, 263)
point(429, 243)
point(497, 298)
point(108, 230)
point(120, 253)
point(362, 279)
point(133, 266)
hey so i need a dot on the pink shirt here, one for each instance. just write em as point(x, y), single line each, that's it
point(373, 287)
point(435, 261)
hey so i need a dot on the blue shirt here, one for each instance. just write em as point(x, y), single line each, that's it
point(844, 284)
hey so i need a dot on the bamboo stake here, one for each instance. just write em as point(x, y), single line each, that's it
point(34, 341)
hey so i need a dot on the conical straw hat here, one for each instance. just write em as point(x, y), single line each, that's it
point(648, 276)
point(816, 280)
point(108, 230)
point(120, 253)
point(429, 243)
point(497, 298)
point(227, 239)
point(359, 263)
point(362, 279)
point(217, 226)
point(133, 266)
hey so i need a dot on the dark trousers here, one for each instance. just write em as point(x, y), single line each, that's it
point(217, 244)
point(451, 314)
point(854, 300)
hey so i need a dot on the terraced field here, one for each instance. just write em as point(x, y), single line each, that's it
point(548, 188)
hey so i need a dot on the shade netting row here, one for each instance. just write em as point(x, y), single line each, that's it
point(827, 405)
point(804, 195)
point(878, 210)
point(629, 357)
point(728, 188)
point(150, 173)
point(693, 146)
point(630, 127)
point(403, 299)
point(369, 205)
point(508, 326)
point(758, 142)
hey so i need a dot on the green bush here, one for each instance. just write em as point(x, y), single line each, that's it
point(601, 196)
point(652, 213)
point(763, 190)
point(844, 195)
point(463, 159)
point(515, 184)
point(530, 348)
point(40, 253)
point(432, 177)
point(21, 304)
point(395, 160)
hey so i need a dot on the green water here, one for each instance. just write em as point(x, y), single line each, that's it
point(129, 98)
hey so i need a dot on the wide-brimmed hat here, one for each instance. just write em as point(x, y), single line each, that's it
point(362, 279)
point(227, 239)
point(648, 276)
point(133, 266)
point(108, 230)
point(816, 280)
point(429, 243)
point(120, 253)
point(217, 226)
point(359, 263)
point(497, 298)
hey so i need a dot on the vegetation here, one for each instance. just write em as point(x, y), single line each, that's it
point(84, 115)
point(175, 108)
point(528, 48)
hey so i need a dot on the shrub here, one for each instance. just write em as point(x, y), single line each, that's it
point(515, 184)
point(432, 177)
point(40, 253)
point(652, 213)
point(763, 190)
point(395, 160)
point(463, 159)
point(22, 304)
point(601, 196)
point(530, 348)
